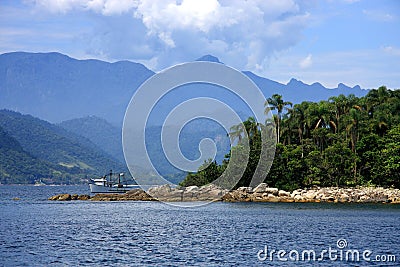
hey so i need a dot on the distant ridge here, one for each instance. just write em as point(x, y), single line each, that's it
point(56, 87)
point(100, 132)
point(297, 91)
point(209, 58)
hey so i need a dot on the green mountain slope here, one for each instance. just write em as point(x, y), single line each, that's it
point(60, 155)
point(16, 165)
point(100, 132)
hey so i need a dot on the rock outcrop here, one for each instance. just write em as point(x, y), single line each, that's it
point(133, 195)
point(67, 197)
point(208, 192)
point(61, 197)
point(261, 193)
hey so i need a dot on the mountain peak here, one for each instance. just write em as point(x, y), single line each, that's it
point(294, 81)
point(209, 58)
point(342, 86)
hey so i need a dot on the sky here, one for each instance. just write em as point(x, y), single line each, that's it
point(343, 41)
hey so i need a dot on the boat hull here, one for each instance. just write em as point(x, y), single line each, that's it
point(98, 189)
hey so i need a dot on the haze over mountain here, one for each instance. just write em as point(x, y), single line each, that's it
point(108, 137)
point(56, 87)
point(103, 134)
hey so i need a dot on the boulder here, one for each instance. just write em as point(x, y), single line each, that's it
point(260, 188)
point(343, 198)
point(272, 190)
point(160, 190)
point(283, 193)
point(298, 198)
point(295, 193)
point(83, 197)
point(105, 197)
point(191, 189)
point(310, 195)
point(138, 194)
point(61, 197)
point(245, 189)
point(211, 192)
point(228, 197)
point(64, 197)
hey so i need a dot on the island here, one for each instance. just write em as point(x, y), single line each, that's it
point(261, 193)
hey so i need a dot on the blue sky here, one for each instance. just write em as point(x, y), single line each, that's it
point(349, 41)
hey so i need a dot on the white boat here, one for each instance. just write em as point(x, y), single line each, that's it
point(39, 183)
point(107, 184)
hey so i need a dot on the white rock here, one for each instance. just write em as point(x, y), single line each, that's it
point(191, 189)
point(260, 188)
point(272, 190)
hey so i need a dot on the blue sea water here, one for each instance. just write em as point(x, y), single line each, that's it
point(38, 232)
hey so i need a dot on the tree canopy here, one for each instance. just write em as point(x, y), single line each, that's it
point(343, 141)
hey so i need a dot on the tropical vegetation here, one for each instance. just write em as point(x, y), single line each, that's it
point(342, 141)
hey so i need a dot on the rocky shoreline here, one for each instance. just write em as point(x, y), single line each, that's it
point(261, 193)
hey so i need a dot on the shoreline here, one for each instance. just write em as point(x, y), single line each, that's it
point(261, 193)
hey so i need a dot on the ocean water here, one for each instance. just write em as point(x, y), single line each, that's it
point(38, 232)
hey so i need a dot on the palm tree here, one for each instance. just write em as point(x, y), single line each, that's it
point(297, 114)
point(343, 105)
point(340, 103)
point(286, 128)
point(352, 130)
point(376, 97)
point(352, 127)
point(277, 103)
point(248, 129)
point(251, 127)
point(237, 132)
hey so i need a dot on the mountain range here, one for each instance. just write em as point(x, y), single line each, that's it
point(55, 87)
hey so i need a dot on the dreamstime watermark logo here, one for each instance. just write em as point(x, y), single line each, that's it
point(153, 93)
point(339, 253)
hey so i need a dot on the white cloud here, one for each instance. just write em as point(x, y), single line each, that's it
point(395, 51)
point(306, 62)
point(105, 7)
point(247, 33)
point(379, 15)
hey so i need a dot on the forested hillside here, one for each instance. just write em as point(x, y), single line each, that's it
point(16, 165)
point(342, 141)
point(33, 148)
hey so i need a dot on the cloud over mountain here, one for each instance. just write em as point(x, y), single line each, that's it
point(249, 32)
